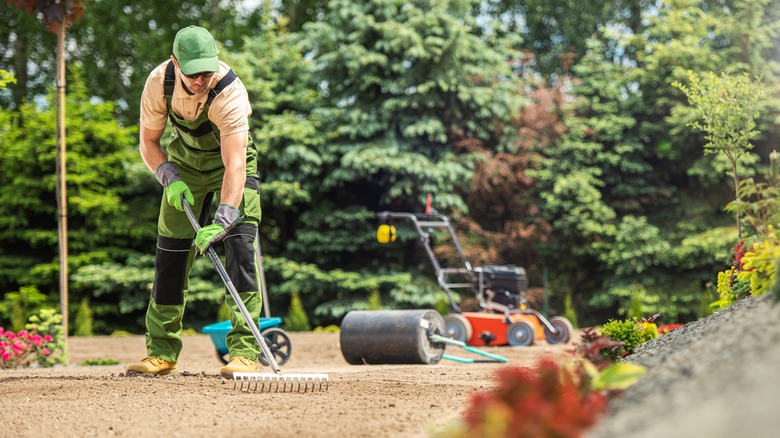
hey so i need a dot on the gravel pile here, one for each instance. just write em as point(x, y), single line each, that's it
point(715, 377)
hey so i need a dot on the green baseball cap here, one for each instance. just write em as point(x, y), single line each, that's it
point(196, 50)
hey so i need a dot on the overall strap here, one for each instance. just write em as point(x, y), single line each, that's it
point(224, 82)
point(170, 79)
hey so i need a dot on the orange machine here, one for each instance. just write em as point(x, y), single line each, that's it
point(500, 289)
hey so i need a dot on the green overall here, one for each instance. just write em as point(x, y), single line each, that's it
point(195, 150)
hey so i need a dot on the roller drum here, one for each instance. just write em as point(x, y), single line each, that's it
point(391, 337)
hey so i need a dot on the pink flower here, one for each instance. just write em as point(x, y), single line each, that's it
point(47, 338)
point(5, 355)
point(17, 348)
point(46, 351)
point(22, 333)
point(10, 335)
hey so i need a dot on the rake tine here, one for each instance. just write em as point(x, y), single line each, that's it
point(281, 382)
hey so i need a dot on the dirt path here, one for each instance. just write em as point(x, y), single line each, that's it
point(376, 400)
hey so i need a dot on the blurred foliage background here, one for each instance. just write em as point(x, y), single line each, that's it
point(549, 131)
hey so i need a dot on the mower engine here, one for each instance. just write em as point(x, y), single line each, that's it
point(502, 284)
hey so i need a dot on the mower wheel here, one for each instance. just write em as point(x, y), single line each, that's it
point(457, 327)
point(279, 344)
point(563, 330)
point(520, 334)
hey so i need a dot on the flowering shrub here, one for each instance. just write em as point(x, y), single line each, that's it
point(50, 321)
point(22, 348)
point(547, 401)
point(29, 346)
point(760, 264)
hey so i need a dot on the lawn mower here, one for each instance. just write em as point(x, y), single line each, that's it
point(505, 317)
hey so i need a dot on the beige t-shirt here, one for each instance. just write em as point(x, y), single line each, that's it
point(230, 110)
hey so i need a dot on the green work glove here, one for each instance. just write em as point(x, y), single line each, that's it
point(174, 191)
point(225, 219)
point(168, 177)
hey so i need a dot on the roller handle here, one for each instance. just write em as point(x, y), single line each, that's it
point(438, 338)
point(233, 292)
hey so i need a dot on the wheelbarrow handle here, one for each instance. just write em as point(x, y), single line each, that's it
point(233, 292)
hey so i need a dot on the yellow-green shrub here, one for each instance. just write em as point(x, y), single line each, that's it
point(759, 265)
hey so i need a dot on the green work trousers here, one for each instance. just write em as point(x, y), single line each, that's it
point(176, 253)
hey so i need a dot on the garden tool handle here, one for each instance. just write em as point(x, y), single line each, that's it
point(233, 292)
point(443, 339)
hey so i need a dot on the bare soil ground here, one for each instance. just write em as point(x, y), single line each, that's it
point(362, 400)
point(715, 377)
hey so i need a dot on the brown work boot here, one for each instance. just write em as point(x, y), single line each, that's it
point(238, 365)
point(152, 365)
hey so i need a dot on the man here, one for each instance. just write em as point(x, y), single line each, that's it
point(210, 154)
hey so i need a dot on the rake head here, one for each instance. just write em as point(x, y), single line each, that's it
point(267, 382)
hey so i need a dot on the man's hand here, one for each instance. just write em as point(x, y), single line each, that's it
point(168, 177)
point(225, 219)
point(208, 235)
point(173, 192)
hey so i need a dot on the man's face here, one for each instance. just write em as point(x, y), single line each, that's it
point(198, 82)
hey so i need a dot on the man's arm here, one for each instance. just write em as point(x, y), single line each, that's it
point(234, 158)
point(150, 148)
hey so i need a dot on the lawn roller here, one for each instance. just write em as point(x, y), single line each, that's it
point(505, 317)
point(263, 382)
point(415, 336)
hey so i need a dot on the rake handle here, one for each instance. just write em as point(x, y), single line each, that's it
point(233, 292)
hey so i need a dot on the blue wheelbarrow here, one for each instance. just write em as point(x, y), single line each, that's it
point(276, 338)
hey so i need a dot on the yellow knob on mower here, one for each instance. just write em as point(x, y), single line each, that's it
point(385, 233)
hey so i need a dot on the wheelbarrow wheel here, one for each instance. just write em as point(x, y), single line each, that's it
point(520, 334)
point(279, 344)
point(563, 330)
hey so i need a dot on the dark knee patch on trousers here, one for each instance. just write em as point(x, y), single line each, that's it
point(170, 270)
point(240, 257)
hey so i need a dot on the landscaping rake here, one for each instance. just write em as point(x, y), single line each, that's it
point(263, 382)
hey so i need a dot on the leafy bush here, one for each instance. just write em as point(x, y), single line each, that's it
point(15, 306)
point(100, 361)
point(83, 321)
point(730, 287)
point(599, 349)
point(760, 265)
point(546, 401)
point(120, 334)
point(297, 320)
point(48, 321)
point(631, 333)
